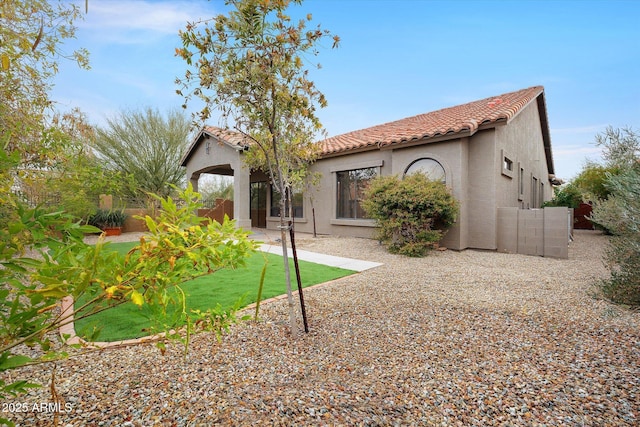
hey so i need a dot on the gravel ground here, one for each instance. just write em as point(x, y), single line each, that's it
point(466, 338)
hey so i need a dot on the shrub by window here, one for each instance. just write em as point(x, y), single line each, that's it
point(351, 189)
point(412, 214)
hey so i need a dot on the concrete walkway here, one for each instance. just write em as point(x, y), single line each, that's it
point(271, 239)
point(330, 260)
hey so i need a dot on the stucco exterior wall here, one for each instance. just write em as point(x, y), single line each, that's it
point(481, 190)
point(218, 158)
point(522, 142)
point(218, 155)
point(324, 196)
point(452, 155)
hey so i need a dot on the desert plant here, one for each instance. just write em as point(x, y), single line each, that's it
point(620, 215)
point(412, 213)
point(158, 141)
point(105, 218)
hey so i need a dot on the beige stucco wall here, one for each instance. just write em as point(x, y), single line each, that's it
point(522, 141)
point(491, 186)
point(223, 157)
point(453, 156)
point(324, 197)
point(481, 190)
point(218, 155)
point(474, 173)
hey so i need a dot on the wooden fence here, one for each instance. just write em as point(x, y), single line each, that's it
point(216, 211)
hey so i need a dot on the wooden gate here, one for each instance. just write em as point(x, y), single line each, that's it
point(581, 217)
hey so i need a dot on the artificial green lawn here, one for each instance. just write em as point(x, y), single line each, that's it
point(224, 287)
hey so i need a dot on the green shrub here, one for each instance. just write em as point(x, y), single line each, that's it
point(567, 195)
point(412, 213)
point(620, 215)
point(104, 218)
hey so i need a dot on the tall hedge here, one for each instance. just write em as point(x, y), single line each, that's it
point(412, 213)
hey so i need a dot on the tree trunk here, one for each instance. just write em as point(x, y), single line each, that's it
point(287, 272)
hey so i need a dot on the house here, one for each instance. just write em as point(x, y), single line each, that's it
point(491, 153)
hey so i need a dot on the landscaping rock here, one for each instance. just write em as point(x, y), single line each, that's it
point(470, 338)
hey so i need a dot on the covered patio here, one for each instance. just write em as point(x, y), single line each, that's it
point(218, 152)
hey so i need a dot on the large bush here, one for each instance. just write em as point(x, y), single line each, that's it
point(620, 214)
point(412, 213)
point(568, 195)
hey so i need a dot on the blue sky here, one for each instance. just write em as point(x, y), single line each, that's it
point(396, 59)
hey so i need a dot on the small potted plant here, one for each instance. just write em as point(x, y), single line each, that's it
point(109, 221)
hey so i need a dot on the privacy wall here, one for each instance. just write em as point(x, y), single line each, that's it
point(543, 232)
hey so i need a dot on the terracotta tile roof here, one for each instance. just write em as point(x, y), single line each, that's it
point(452, 121)
point(231, 137)
point(466, 118)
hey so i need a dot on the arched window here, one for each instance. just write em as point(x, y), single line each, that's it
point(430, 167)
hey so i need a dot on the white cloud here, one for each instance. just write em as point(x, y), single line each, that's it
point(134, 21)
point(580, 130)
point(572, 150)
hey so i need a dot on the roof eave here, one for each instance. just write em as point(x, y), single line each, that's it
point(348, 151)
point(204, 133)
point(546, 137)
point(192, 148)
point(425, 140)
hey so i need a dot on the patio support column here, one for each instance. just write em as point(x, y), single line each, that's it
point(241, 187)
point(194, 181)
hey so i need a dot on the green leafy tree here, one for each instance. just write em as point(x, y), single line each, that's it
point(620, 147)
point(31, 34)
point(592, 180)
point(147, 147)
point(568, 195)
point(74, 178)
point(250, 65)
point(179, 247)
point(412, 213)
point(218, 187)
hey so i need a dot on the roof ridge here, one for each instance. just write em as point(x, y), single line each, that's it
point(451, 120)
point(448, 120)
